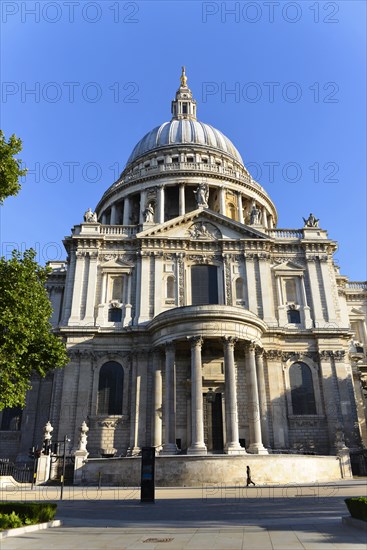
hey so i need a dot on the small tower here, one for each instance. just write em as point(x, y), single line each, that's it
point(184, 106)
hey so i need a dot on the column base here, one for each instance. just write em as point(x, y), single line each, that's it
point(235, 450)
point(257, 449)
point(169, 449)
point(133, 451)
point(197, 450)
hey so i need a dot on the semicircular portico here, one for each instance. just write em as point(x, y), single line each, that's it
point(207, 321)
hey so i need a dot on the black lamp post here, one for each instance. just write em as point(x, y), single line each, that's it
point(63, 467)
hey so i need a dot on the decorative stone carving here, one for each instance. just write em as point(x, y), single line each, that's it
point(227, 272)
point(290, 355)
point(83, 437)
point(90, 216)
point(181, 276)
point(47, 429)
point(337, 355)
point(273, 354)
point(109, 423)
point(204, 231)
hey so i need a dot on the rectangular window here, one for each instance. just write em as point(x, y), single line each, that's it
point(204, 285)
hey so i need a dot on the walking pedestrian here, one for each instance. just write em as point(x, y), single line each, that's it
point(249, 480)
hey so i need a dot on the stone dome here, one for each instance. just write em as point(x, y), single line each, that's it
point(184, 131)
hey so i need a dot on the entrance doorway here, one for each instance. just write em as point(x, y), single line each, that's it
point(213, 422)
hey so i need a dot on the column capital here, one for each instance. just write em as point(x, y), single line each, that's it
point(156, 352)
point(195, 341)
point(251, 347)
point(170, 346)
point(229, 341)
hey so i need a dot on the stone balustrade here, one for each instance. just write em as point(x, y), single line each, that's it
point(120, 230)
point(286, 233)
point(357, 285)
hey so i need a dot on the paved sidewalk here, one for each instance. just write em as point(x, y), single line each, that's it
point(274, 518)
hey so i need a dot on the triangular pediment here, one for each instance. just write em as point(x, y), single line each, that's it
point(288, 266)
point(356, 311)
point(202, 224)
point(113, 261)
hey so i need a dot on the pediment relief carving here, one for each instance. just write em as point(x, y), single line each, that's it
point(204, 231)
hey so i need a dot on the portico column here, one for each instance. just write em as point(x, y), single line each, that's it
point(233, 446)
point(135, 406)
point(157, 401)
point(77, 289)
point(161, 203)
point(222, 201)
point(169, 446)
point(91, 288)
point(143, 195)
point(113, 215)
point(256, 445)
point(262, 397)
point(197, 446)
point(181, 203)
point(240, 208)
point(126, 218)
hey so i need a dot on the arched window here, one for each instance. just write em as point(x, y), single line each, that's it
point(302, 393)
point(239, 289)
point(170, 288)
point(294, 316)
point(114, 315)
point(110, 387)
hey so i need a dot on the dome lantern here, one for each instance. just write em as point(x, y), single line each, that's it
point(184, 106)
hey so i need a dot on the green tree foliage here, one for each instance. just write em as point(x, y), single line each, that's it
point(10, 167)
point(27, 344)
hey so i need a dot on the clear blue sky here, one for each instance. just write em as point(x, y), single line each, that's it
point(104, 73)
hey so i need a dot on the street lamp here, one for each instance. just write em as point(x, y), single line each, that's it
point(66, 440)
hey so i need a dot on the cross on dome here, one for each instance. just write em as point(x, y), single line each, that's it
point(183, 106)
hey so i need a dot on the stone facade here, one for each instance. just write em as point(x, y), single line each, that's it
point(192, 322)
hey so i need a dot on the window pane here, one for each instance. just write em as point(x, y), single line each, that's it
point(170, 288)
point(110, 387)
point(294, 316)
point(11, 418)
point(239, 289)
point(204, 284)
point(303, 397)
point(115, 315)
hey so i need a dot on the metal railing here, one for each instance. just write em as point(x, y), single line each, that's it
point(22, 474)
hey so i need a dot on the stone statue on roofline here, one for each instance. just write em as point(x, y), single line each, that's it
point(90, 216)
point(311, 221)
point(202, 195)
point(254, 215)
point(149, 214)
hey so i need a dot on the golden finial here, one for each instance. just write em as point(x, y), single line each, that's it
point(183, 78)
